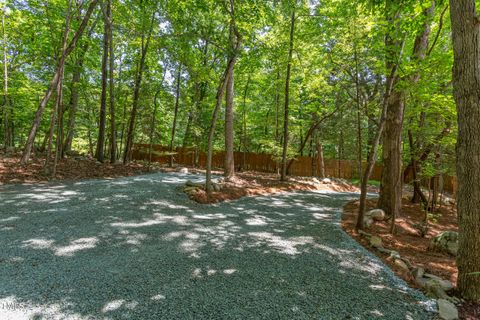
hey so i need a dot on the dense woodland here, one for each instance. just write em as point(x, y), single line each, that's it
point(369, 81)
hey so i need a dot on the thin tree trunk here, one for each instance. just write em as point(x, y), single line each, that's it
point(175, 114)
point(393, 63)
point(283, 175)
point(321, 161)
point(236, 45)
point(418, 195)
point(136, 95)
point(244, 125)
point(152, 126)
point(6, 105)
point(58, 108)
point(113, 128)
point(229, 171)
point(58, 145)
point(277, 107)
point(41, 108)
point(211, 131)
point(359, 120)
point(73, 104)
point(103, 99)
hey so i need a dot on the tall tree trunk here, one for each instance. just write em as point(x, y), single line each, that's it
point(58, 144)
point(175, 114)
point(73, 104)
point(321, 161)
point(244, 124)
point(127, 154)
point(103, 99)
point(359, 119)
point(466, 84)
point(283, 175)
point(152, 125)
point(236, 41)
point(392, 176)
point(229, 172)
point(7, 140)
point(53, 84)
point(211, 132)
point(277, 108)
point(418, 195)
point(392, 63)
point(113, 128)
point(58, 108)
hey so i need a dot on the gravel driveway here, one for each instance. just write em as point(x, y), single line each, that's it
point(137, 248)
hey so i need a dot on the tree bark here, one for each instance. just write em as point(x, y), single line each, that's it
point(211, 132)
point(392, 176)
point(127, 154)
point(466, 84)
point(53, 84)
point(7, 139)
point(175, 114)
point(236, 40)
point(58, 108)
point(113, 128)
point(392, 63)
point(103, 99)
point(283, 175)
point(229, 172)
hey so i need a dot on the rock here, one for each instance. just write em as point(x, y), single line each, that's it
point(435, 290)
point(402, 265)
point(376, 242)
point(190, 189)
point(216, 187)
point(418, 272)
point(445, 242)
point(326, 181)
point(193, 184)
point(182, 170)
point(444, 284)
point(367, 222)
point(452, 248)
point(447, 310)
point(315, 180)
point(376, 214)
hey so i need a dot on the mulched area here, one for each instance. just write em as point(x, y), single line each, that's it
point(409, 243)
point(74, 168)
point(251, 183)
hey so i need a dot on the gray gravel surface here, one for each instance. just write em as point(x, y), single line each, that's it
point(137, 248)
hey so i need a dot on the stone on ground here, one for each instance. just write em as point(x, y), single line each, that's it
point(376, 214)
point(447, 310)
point(376, 242)
point(446, 242)
point(182, 170)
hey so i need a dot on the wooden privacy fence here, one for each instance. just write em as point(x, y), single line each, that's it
point(301, 166)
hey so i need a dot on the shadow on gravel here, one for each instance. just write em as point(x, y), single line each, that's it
point(136, 248)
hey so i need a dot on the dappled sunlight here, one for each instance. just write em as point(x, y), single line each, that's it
point(286, 246)
point(137, 246)
point(38, 244)
point(117, 304)
point(68, 250)
point(76, 245)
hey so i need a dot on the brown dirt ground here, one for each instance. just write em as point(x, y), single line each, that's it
point(68, 169)
point(408, 242)
point(251, 183)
